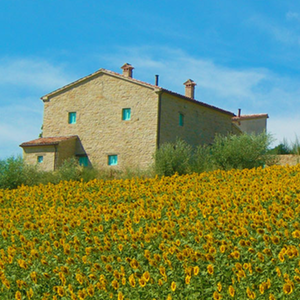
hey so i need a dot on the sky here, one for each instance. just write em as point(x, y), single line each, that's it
point(241, 53)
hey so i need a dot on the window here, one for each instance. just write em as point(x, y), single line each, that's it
point(40, 159)
point(72, 117)
point(112, 160)
point(181, 119)
point(126, 114)
point(83, 161)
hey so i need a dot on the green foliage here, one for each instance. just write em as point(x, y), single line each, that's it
point(11, 172)
point(227, 152)
point(295, 147)
point(287, 148)
point(201, 159)
point(171, 158)
point(280, 149)
point(69, 170)
point(241, 151)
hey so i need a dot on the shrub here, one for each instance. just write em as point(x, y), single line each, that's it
point(295, 147)
point(171, 158)
point(201, 159)
point(12, 172)
point(280, 149)
point(69, 170)
point(241, 151)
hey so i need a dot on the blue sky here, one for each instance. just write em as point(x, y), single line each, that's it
point(242, 54)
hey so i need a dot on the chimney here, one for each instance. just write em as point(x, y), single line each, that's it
point(156, 80)
point(239, 112)
point(127, 70)
point(190, 88)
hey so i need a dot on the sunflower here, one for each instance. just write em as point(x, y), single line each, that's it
point(217, 296)
point(18, 295)
point(173, 286)
point(142, 282)
point(210, 269)
point(231, 291)
point(196, 270)
point(187, 279)
point(288, 288)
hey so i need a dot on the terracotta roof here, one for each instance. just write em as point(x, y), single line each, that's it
point(100, 71)
point(47, 141)
point(250, 117)
point(154, 87)
point(198, 102)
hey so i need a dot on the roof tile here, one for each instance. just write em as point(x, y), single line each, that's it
point(45, 141)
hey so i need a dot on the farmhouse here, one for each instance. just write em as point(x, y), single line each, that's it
point(111, 120)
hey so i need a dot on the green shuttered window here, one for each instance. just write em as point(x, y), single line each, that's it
point(126, 114)
point(181, 119)
point(40, 159)
point(83, 161)
point(112, 160)
point(72, 117)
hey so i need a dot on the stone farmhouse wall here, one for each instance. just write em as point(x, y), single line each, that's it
point(253, 126)
point(98, 103)
point(31, 154)
point(200, 123)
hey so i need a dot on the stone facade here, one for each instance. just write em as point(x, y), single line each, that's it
point(200, 122)
point(52, 151)
point(156, 116)
point(31, 154)
point(251, 123)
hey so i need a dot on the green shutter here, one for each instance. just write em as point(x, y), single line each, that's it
point(72, 117)
point(83, 161)
point(112, 160)
point(126, 114)
point(181, 119)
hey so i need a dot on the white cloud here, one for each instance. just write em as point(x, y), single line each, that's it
point(22, 82)
point(34, 73)
point(175, 67)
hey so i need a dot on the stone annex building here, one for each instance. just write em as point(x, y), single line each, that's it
point(111, 120)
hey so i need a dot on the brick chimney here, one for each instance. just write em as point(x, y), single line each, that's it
point(190, 88)
point(127, 70)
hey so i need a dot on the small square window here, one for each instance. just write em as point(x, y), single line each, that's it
point(126, 114)
point(181, 119)
point(83, 161)
point(72, 117)
point(112, 160)
point(40, 159)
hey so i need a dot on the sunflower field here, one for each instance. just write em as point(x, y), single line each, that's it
point(215, 235)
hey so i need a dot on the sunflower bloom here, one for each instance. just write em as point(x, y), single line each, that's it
point(146, 276)
point(217, 296)
point(288, 288)
point(231, 291)
point(142, 282)
point(115, 284)
point(132, 280)
point(210, 269)
point(120, 296)
point(250, 293)
point(196, 270)
point(173, 286)
point(18, 295)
